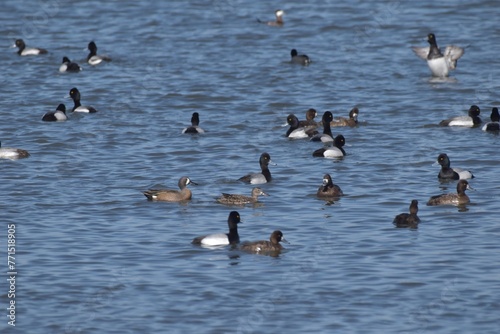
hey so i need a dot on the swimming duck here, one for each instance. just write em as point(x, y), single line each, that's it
point(222, 239)
point(74, 94)
point(169, 195)
point(471, 120)
point(264, 176)
point(351, 121)
point(68, 66)
point(270, 247)
point(93, 58)
point(56, 116)
point(326, 136)
point(194, 128)
point(439, 63)
point(309, 121)
point(447, 173)
point(459, 198)
point(299, 59)
point(335, 151)
point(12, 153)
point(279, 19)
point(494, 125)
point(408, 219)
point(297, 132)
point(328, 189)
point(241, 199)
point(25, 51)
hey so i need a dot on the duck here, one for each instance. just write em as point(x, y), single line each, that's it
point(335, 151)
point(440, 64)
point(279, 19)
point(93, 58)
point(328, 189)
point(494, 125)
point(408, 219)
point(351, 121)
point(326, 136)
point(310, 116)
point(12, 153)
point(74, 94)
point(448, 173)
point(460, 198)
point(68, 66)
point(270, 247)
point(296, 131)
point(299, 59)
point(25, 51)
point(194, 128)
point(233, 199)
point(170, 195)
point(56, 116)
point(222, 239)
point(264, 176)
point(470, 121)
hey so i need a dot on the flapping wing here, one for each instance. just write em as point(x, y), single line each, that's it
point(422, 52)
point(453, 53)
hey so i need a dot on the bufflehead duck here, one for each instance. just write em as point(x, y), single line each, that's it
point(271, 247)
point(494, 125)
point(279, 19)
point(408, 219)
point(194, 128)
point(12, 153)
point(299, 59)
point(233, 199)
point(459, 198)
point(170, 195)
point(25, 51)
point(326, 136)
point(222, 239)
point(93, 58)
point(74, 94)
point(439, 63)
point(471, 120)
point(351, 121)
point(56, 116)
point(328, 189)
point(448, 173)
point(264, 176)
point(68, 66)
point(335, 151)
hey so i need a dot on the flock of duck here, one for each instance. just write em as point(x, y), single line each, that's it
point(440, 65)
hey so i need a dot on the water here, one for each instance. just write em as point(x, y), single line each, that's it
point(93, 256)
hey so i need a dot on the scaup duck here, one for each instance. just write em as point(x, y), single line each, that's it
point(279, 19)
point(264, 176)
point(25, 51)
point(459, 198)
point(408, 219)
point(68, 66)
point(448, 173)
point(494, 125)
point(328, 189)
point(93, 58)
point(296, 131)
point(233, 199)
point(12, 153)
point(326, 136)
point(170, 195)
point(222, 239)
point(471, 120)
point(299, 59)
point(310, 116)
point(351, 121)
point(439, 63)
point(271, 247)
point(335, 151)
point(74, 94)
point(194, 128)
point(56, 116)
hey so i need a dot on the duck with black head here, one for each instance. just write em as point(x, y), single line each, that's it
point(222, 239)
point(26, 51)
point(411, 219)
point(494, 125)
